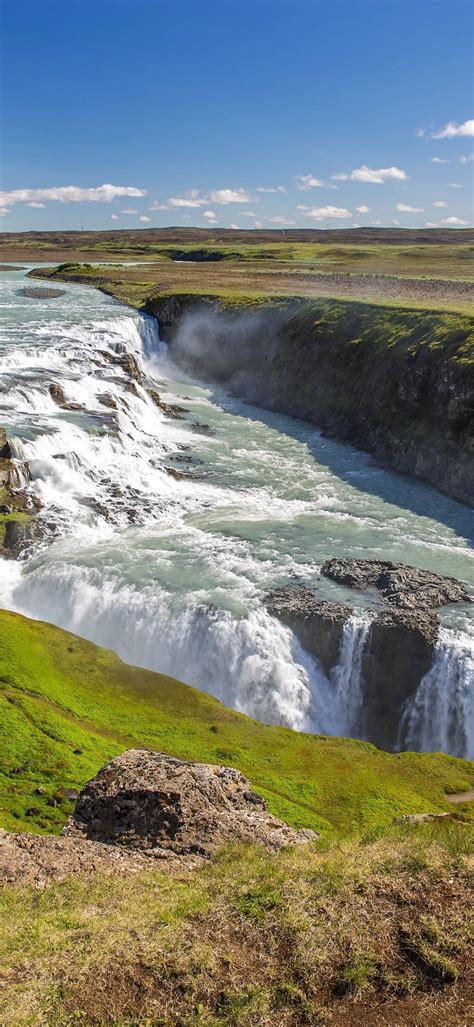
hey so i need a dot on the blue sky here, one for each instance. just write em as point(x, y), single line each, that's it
point(183, 113)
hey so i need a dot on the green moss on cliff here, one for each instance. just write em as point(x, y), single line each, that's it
point(386, 328)
point(68, 706)
point(21, 519)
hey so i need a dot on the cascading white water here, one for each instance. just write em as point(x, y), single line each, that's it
point(440, 717)
point(347, 675)
point(170, 572)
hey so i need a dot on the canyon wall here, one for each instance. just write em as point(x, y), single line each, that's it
point(396, 382)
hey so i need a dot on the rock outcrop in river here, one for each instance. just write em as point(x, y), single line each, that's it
point(399, 645)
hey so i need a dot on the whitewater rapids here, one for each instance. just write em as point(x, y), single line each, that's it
point(170, 572)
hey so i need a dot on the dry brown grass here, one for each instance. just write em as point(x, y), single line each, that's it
point(374, 933)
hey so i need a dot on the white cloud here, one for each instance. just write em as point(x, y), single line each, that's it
point(328, 213)
point(376, 175)
point(248, 213)
point(451, 130)
point(210, 215)
point(193, 199)
point(143, 218)
point(406, 209)
point(363, 210)
point(302, 206)
point(237, 227)
point(159, 206)
point(395, 222)
point(375, 222)
point(257, 224)
point(439, 203)
point(431, 224)
point(229, 196)
point(186, 217)
point(4, 211)
point(439, 160)
point(279, 220)
point(453, 221)
point(114, 217)
point(271, 189)
point(454, 185)
point(36, 206)
point(70, 194)
point(466, 159)
point(306, 182)
point(355, 224)
point(129, 210)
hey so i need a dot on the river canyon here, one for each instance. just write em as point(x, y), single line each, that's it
point(169, 509)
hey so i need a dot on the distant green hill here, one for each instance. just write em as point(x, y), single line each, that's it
point(67, 706)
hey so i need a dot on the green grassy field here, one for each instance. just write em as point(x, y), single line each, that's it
point(68, 706)
point(436, 278)
point(432, 261)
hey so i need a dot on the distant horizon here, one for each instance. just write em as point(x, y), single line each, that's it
point(277, 232)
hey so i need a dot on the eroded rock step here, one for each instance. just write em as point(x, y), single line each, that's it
point(400, 642)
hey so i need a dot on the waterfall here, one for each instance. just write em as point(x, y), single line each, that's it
point(440, 717)
point(346, 677)
point(170, 569)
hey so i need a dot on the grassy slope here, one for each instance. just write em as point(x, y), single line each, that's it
point(68, 706)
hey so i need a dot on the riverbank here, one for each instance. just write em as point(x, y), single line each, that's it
point(369, 933)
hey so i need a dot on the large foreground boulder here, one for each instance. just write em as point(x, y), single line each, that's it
point(149, 801)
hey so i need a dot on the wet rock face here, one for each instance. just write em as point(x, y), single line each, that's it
point(5, 448)
point(169, 409)
point(57, 394)
point(399, 646)
point(18, 524)
point(398, 653)
point(317, 624)
point(149, 801)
